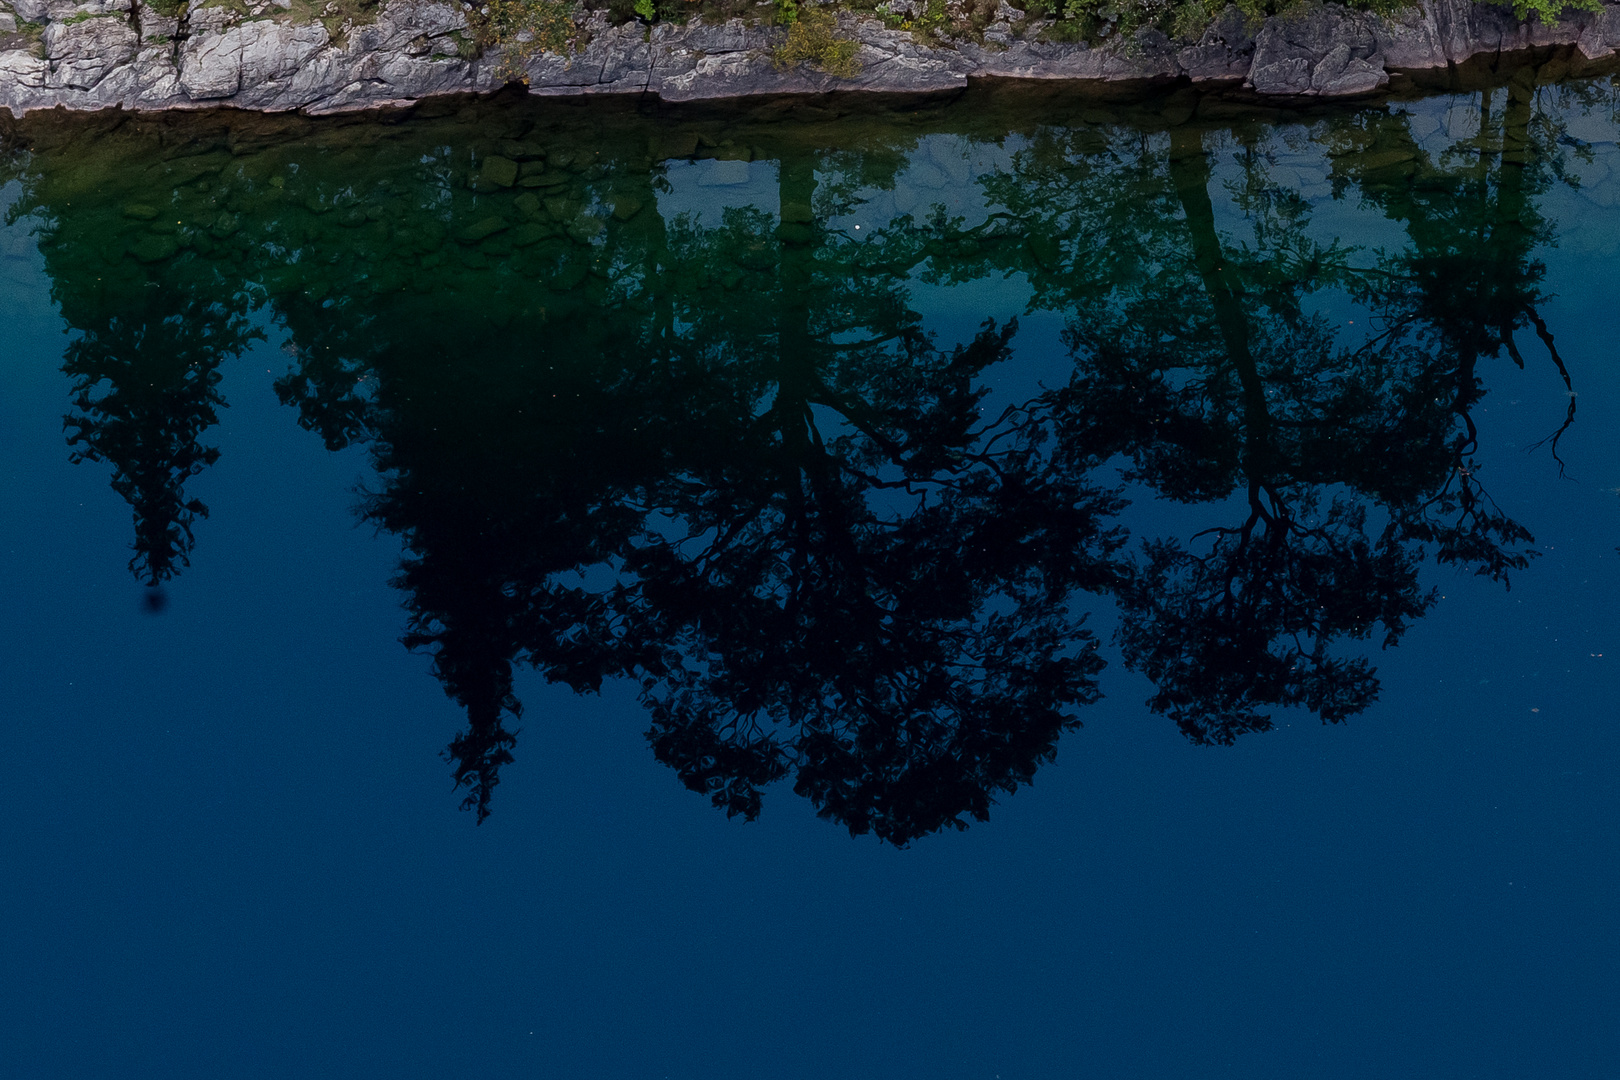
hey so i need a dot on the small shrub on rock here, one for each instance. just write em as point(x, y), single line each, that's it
point(523, 29)
point(1550, 11)
point(813, 39)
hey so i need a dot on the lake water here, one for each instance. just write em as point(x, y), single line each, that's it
point(1027, 586)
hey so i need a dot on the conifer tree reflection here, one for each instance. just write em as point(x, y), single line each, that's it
point(1471, 280)
point(503, 483)
point(722, 459)
point(1218, 386)
point(821, 564)
point(873, 593)
point(872, 589)
point(146, 388)
point(153, 323)
point(1198, 362)
point(800, 536)
point(877, 604)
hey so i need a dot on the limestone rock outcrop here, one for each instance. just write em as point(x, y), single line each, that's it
point(1328, 50)
point(92, 54)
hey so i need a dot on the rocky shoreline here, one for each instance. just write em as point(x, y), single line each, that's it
point(98, 54)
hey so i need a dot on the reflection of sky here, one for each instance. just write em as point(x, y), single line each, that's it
point(705, 189)
point(24, 289)
point(941, 172)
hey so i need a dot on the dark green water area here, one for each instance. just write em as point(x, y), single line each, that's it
point(1023, 585)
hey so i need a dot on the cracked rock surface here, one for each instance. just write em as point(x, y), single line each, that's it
point(105, 53)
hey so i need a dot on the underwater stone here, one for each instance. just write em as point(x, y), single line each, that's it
point(527, 204)
point(544, 180)
point(530, 233)
point(153, 247)
point(584, 229)
point(501, 171)
point(526, 152)
point(480, 229)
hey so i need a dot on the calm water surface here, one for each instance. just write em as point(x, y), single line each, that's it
point(1025, 587)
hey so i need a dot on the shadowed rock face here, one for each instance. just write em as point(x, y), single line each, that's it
point(108, 53)
point(1328, 51)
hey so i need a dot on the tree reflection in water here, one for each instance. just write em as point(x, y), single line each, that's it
point(145, 375)
point(722, 458)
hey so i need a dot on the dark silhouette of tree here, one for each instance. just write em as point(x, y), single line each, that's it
point(1470, 281)
point(146, 389)
point(722, 458)
point(1218, 389)
point(814, 554)
point(872, 595)
point(153, 315)
point(1199, 362)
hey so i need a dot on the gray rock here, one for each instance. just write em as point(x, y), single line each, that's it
point(39, 11)
point(1324, 50)
point(22, 80)
point(155, 27)
point(1225, 51)
point(694, 63)
point(203, 19)
point(102, 53)
point(1602, 36)
point(619, 60)
point(1412, 39)
point(82, 54)
point(256, 59)
point(1464, 29)
point(1342, 73)
point(1437, 33)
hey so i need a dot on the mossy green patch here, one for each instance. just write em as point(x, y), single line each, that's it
point(814, 41)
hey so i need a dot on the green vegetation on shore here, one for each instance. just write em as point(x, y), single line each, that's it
point(524, 28)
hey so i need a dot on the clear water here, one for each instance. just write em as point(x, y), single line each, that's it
point(1024, 587)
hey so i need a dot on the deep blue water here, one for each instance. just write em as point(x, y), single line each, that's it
point(231, 848)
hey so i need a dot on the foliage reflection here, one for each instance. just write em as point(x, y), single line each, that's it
point(719, 455)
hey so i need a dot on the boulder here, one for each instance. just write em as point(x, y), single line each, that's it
point(257, 57)
point(1341, 72)
point(83, 53)
point(49, 11)
point(1601, 36)
point(1326, 50)
point(1225, 51)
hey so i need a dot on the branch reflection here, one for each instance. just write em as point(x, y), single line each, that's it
point(719, 455)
